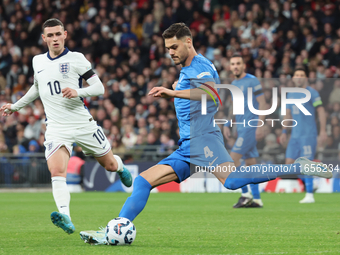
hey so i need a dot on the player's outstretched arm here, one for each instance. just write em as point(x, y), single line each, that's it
point(191, 94)
point(31, 95)
point(6, 109)
point(162, 92)
point(174, 85)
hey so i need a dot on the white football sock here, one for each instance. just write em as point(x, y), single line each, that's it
point(309, 195)
point(120, 163)
point(61, 194)
point(258, 201)
point(248, 195)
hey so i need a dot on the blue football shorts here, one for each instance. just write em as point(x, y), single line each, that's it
point(302, 147)
point(205, 150)
point(246, 144)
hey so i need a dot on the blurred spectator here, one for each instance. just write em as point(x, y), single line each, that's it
point(118, 147)
point(271, 148)
point(101, 116)
point(334, 96)
point(127, 35)
point(152, 139)
point(166, 143)
point(130, 138)
point(2, 83)
point(33, 146)
point(330, 145)
point(12, 78)
point(18, 88)
point(5, 60)
point(32, 130)
point(149, 27)
point(169, 18)
point(141, 112)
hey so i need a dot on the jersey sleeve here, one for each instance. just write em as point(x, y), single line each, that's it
point(83, 65)
point(316, 99)
point(205, 71)
point(29, 97)
point(200, 74)
point(257, 87)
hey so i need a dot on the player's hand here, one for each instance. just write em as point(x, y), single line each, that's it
point(323, 136)
point(174, 85)
point(283, 138)
point(259, 134)
point(6, 109)
point(161, 92)
point(226, 132)
point(69, 93)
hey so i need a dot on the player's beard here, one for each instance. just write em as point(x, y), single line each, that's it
point(183, 59)
point(240, 72)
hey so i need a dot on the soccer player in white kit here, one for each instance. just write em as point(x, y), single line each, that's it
point(58, 77)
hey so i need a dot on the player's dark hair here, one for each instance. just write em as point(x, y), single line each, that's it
point(52, 23)
point(236, 55)
point(178, 29)
point(300, 68)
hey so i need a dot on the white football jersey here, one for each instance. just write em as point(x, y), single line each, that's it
point(53, 75)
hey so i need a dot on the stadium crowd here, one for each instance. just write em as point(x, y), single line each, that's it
point(122, 38)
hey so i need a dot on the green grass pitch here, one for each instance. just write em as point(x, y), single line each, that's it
point(175, 223)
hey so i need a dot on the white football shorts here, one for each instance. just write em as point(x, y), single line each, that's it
point(90, 138)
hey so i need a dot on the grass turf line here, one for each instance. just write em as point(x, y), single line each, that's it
point(175, 223)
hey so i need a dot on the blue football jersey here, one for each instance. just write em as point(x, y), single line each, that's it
point(248, 81)
point(306, 124)
point(191, 122)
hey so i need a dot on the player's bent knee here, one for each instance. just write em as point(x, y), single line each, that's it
point(57, 172)
point(111, 166)
point(231, 183)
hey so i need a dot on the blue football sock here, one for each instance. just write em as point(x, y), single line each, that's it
point(255, 191)
point(259, 173)
point(137, 201)
point(245, 189)
point(309, 184)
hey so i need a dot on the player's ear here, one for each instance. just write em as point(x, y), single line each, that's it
point(43, 37)
point(189, 42)
point(65, 34)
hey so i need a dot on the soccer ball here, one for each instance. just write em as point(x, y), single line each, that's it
point(120, 231)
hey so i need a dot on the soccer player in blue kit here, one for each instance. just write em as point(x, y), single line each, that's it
point(247, 136)
point(303, 140)
point(200, 143)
